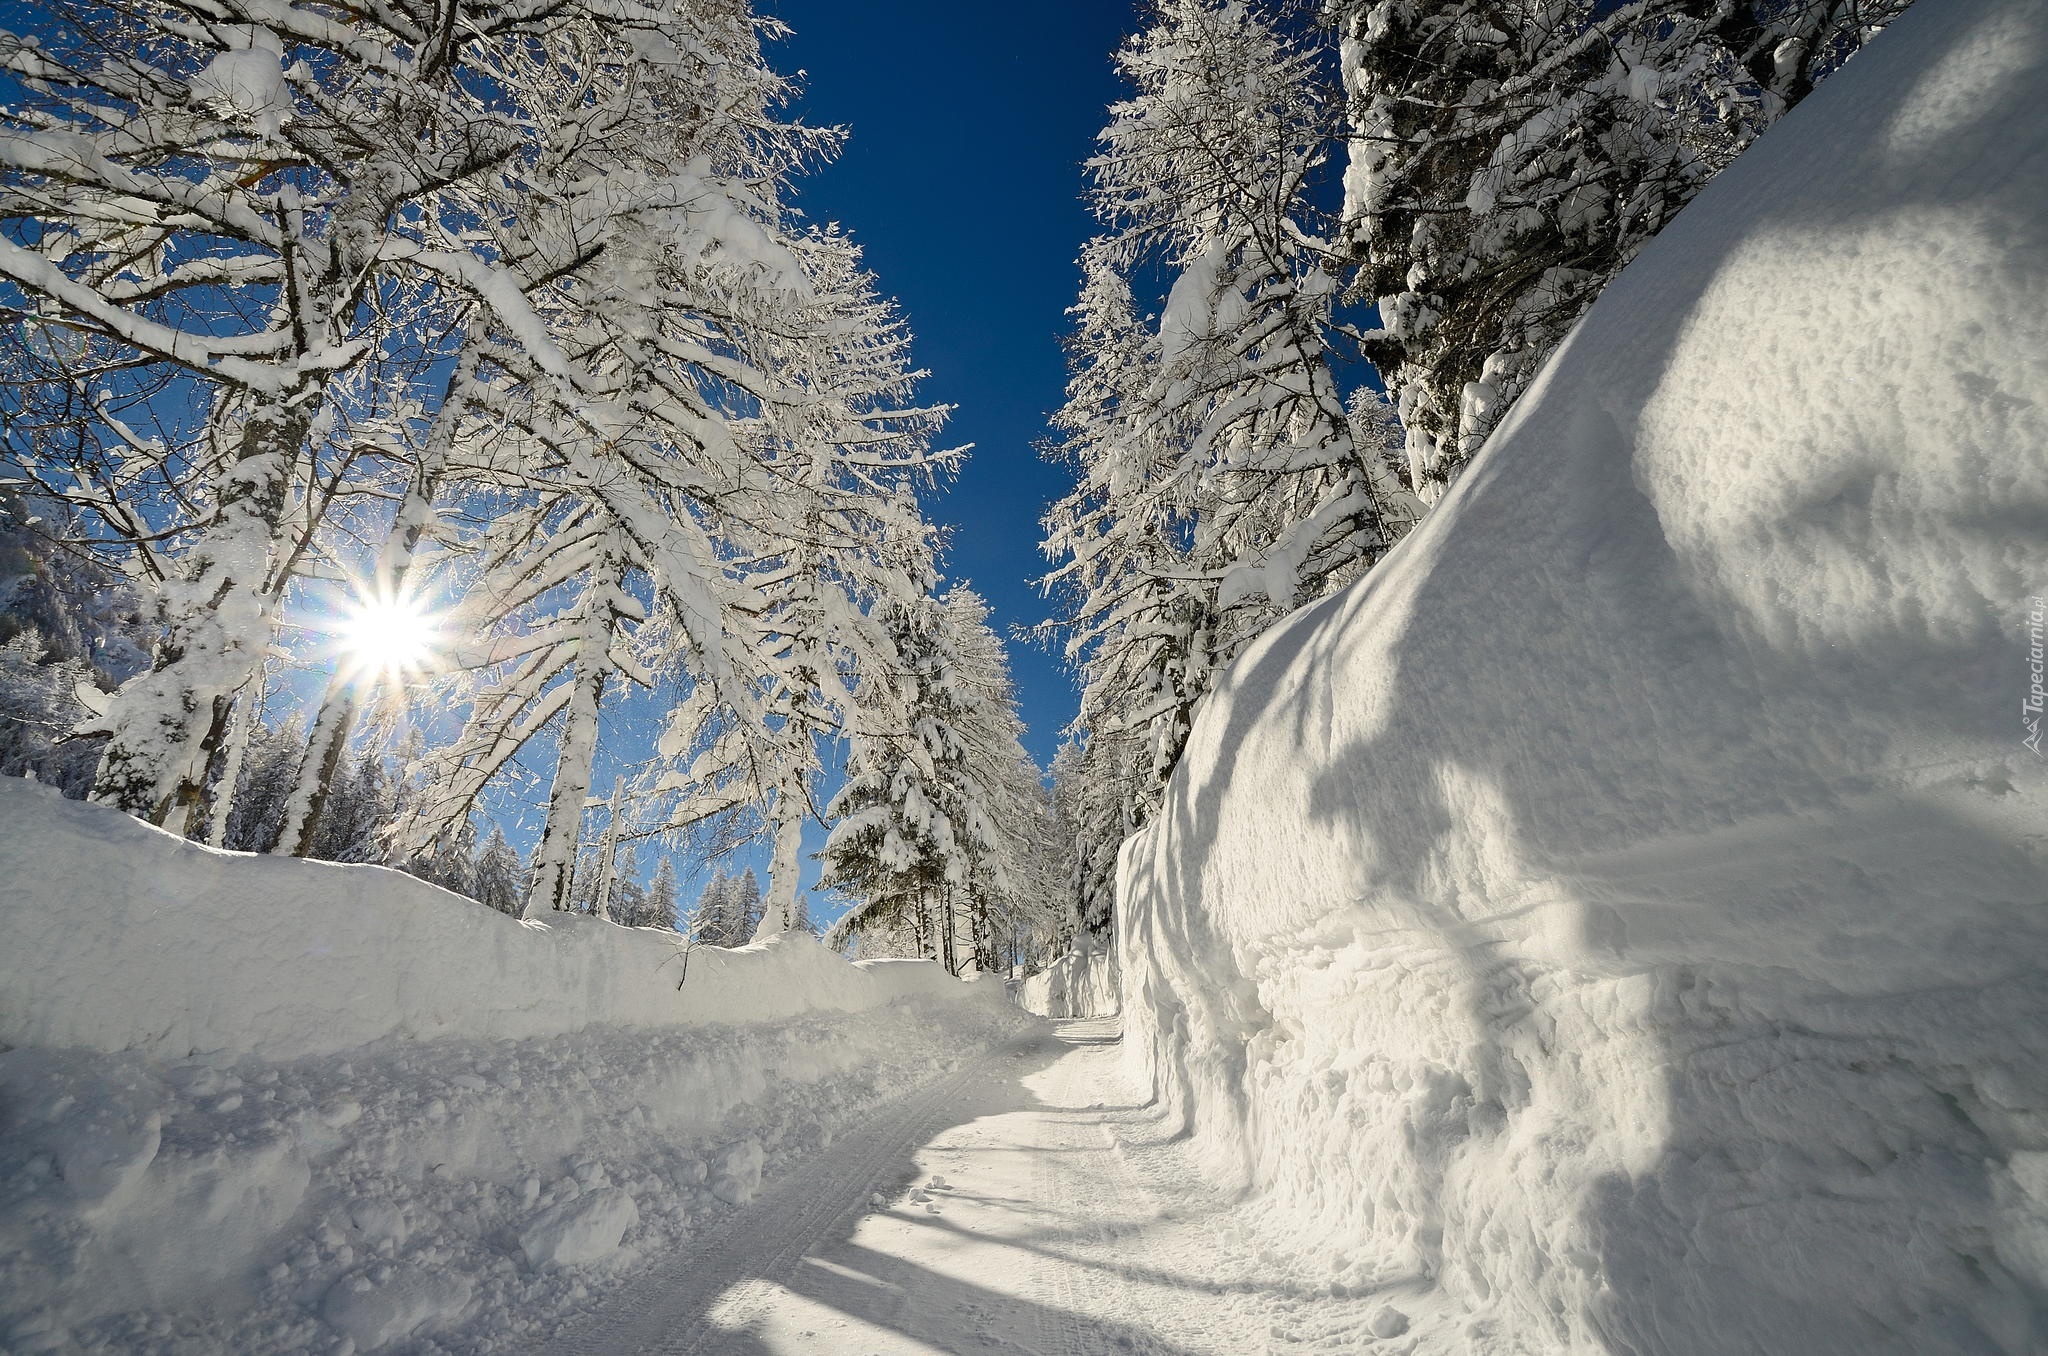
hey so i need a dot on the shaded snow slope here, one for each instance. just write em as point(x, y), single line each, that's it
point(258, 1105)
point(1621, 923)
point(1082, 983)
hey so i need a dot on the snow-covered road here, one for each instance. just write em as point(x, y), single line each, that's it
point(1025, 1205)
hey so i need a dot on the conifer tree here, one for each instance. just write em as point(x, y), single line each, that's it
point(661, 909)
point(500, 875)
point(1218, 482)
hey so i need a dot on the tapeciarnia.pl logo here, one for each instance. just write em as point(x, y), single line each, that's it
point(2030, 709)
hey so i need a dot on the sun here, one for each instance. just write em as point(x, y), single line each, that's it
point(389, 636)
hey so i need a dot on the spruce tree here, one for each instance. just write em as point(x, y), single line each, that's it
point(661, 909)
point(500, 876)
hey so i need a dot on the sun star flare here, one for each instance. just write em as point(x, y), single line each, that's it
point(383, 637)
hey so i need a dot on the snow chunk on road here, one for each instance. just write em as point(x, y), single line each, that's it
point(739, 1173)
point(585, 1228)
point(382, 1303)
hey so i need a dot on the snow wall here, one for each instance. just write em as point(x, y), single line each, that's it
point(195, 952)
point(388, 1112)
point(1082, 983)
point(1620, 923)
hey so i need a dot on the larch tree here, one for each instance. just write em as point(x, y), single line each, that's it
point(941, 829)
point(662, 910)
point(223, 208)
point(1016, 888)
point(831, 532)
point(500, 875)
point(1218, 483)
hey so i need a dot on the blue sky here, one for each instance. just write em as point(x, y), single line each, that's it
point(963, 180)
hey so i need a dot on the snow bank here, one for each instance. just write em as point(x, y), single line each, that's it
point(1082, 983)
point(1618, 924)
point(196, 952)
point(262, 1105)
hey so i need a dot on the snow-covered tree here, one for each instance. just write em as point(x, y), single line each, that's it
point(748, 903)
point(729, 909)
point(832, 531)
point(627, 903)
point(1218, 480)
point(916, 838)
point(1102, 791)
point(737, 451)
point(388, 595)
point(1508, 157)
point(500, 879)
point(279, 215)
point(660, 907)
point(39, 706)
point(1016, 893)
point(361, 806)
point(453, 863)
point(218, 216)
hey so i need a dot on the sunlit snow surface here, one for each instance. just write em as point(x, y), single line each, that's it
point(263, 1105)
point(1621, 922)
point(1029, 1204)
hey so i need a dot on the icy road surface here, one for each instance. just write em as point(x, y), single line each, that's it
point(1025, 1205)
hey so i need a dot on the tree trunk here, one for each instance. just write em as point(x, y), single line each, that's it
point(607, 856)
point(218, 619)
point(554, 862)
point(325, 745)
point(784, 866)
point(949, 934)
point(921, 925)
point(230, 783)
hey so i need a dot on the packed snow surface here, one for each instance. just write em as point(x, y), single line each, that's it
point(1028, 1205)
point(258, 1105)
point(1620, 923)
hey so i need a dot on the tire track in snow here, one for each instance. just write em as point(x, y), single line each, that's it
point(1077, 1164)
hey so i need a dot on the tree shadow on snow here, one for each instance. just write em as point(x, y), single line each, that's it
point(789, 1258)
point(1822, 1179)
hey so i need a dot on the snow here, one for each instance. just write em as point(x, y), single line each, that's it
point(1617, 922)
point(383, 1302)
point(584, 1228)
point(247, 84)
point(345, 955)
point(1082, 983)
point(391, 1116)
point(1028, 1203)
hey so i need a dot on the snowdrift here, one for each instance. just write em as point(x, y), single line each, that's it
point(193, 952)
point(1082, 983)
point(253, 1104)
point(1620, 923)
